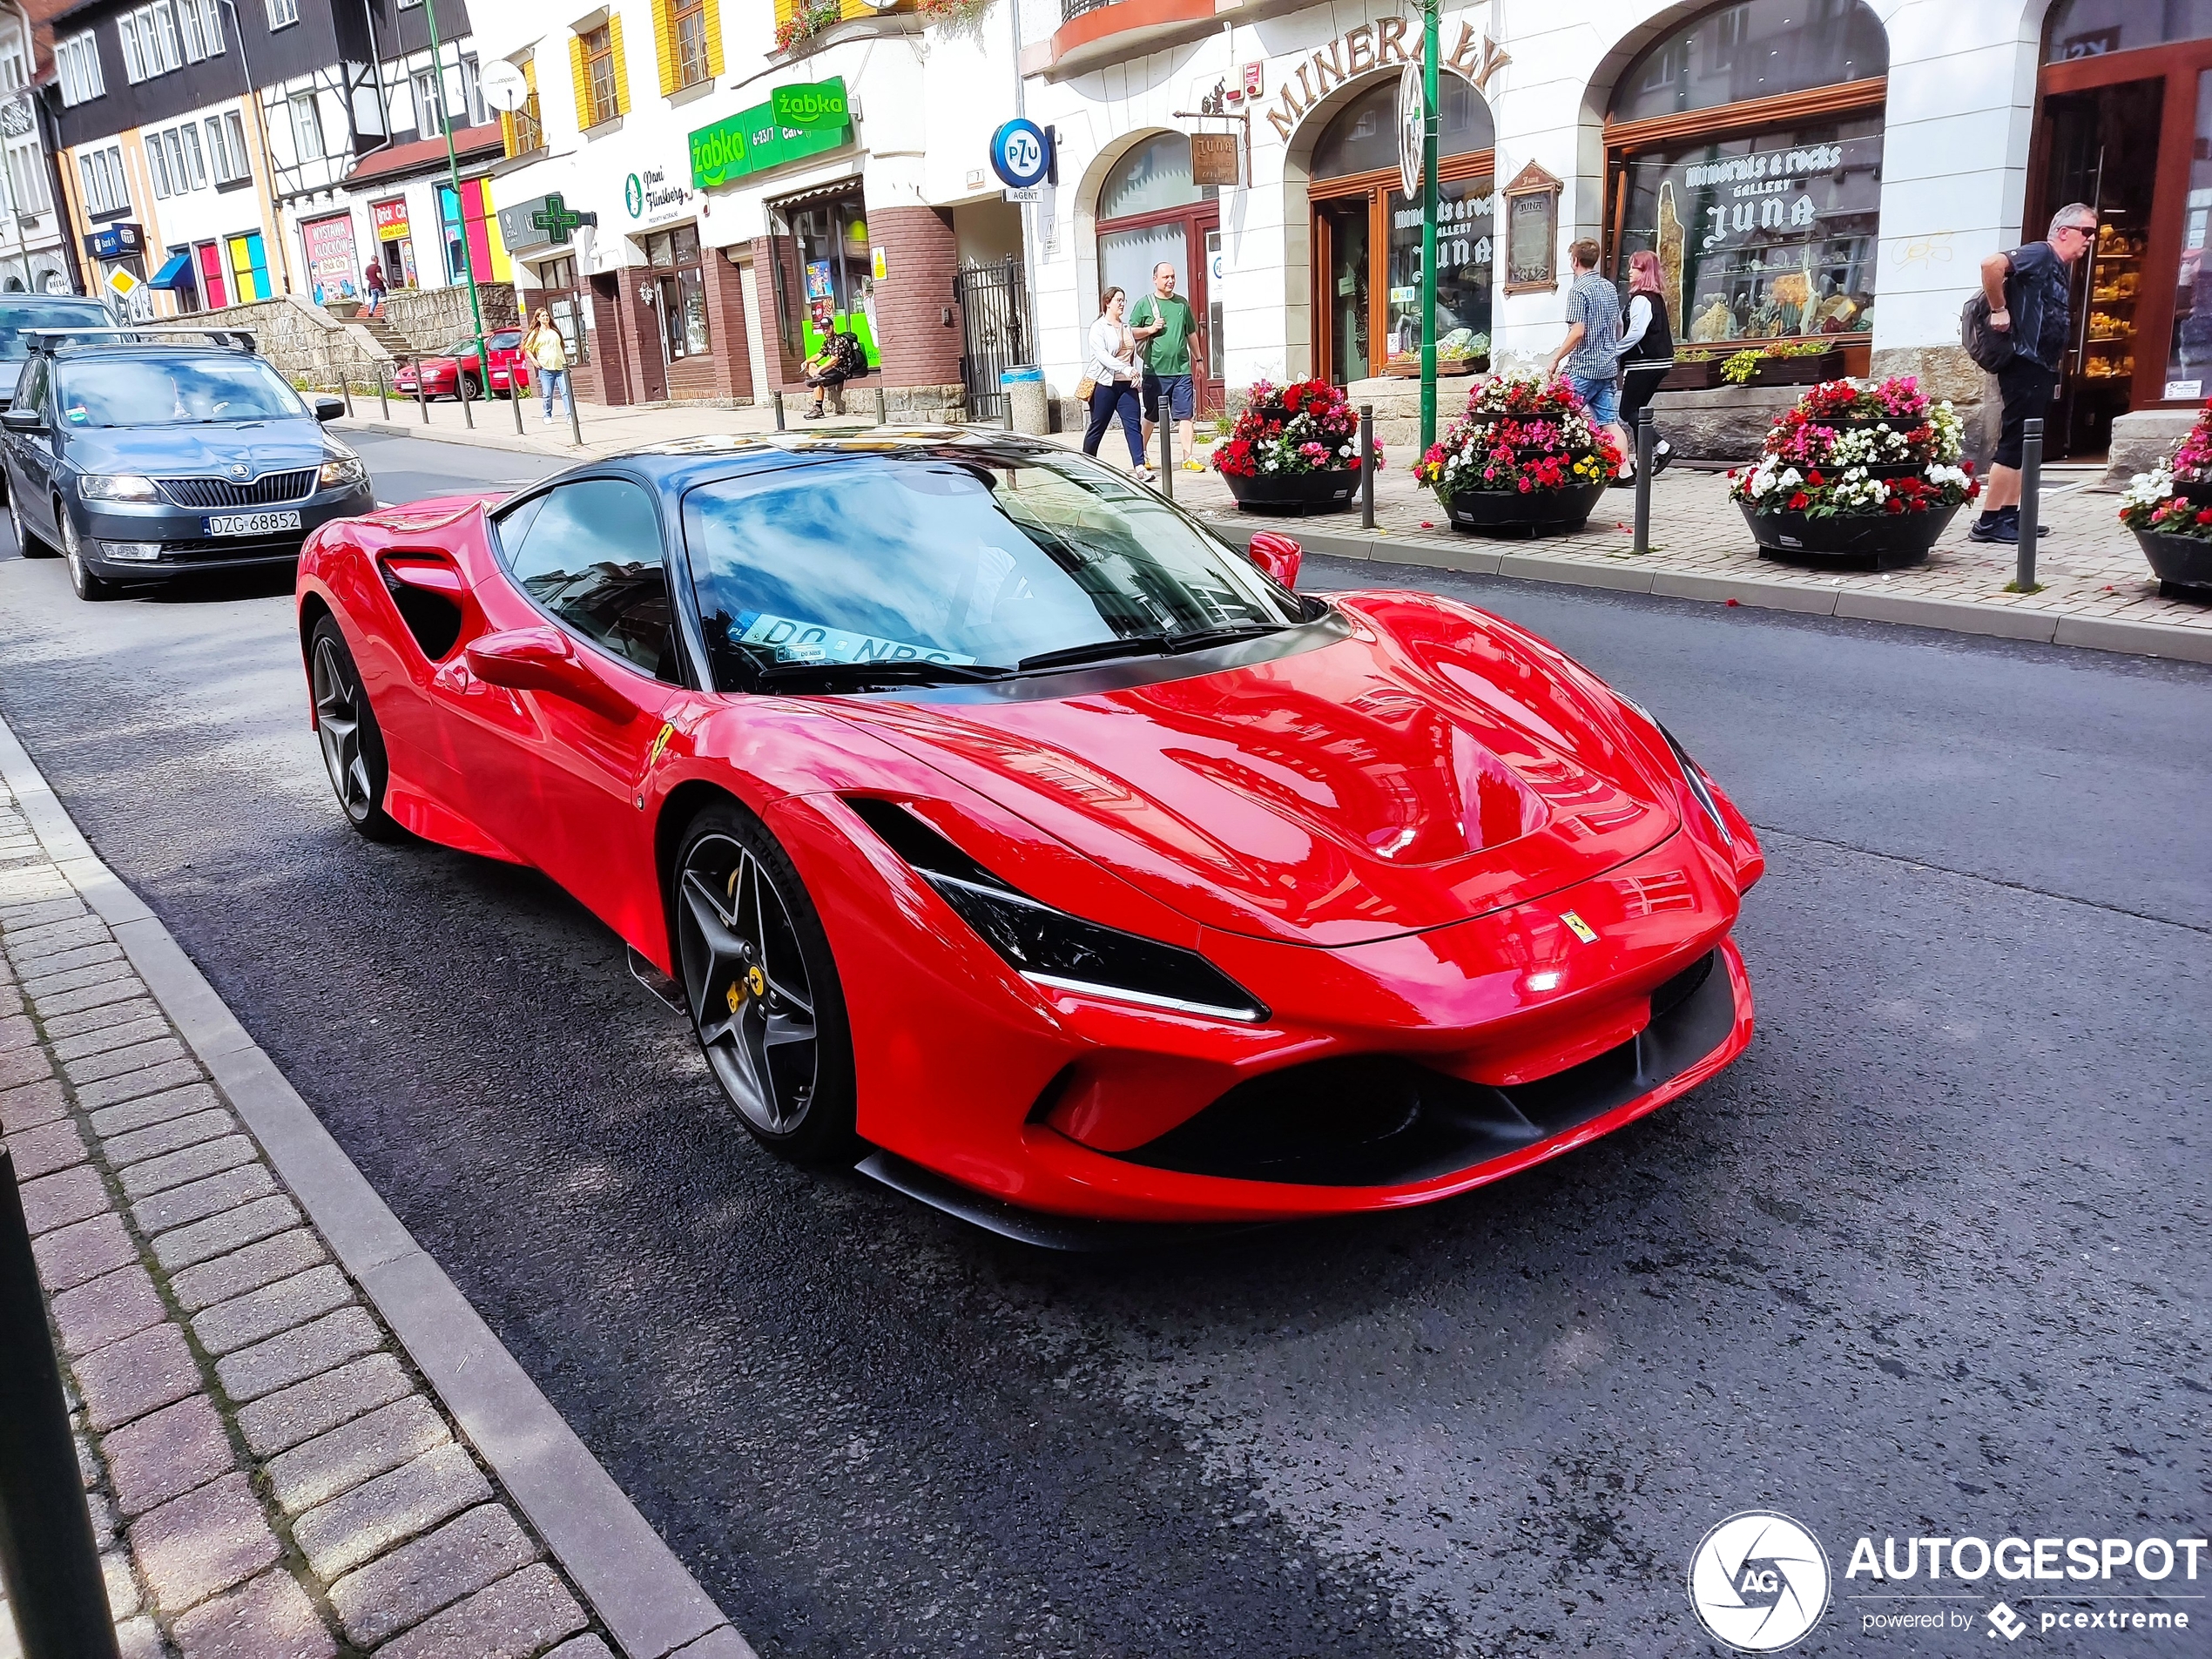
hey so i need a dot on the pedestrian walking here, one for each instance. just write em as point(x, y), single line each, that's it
point(548, 356)
point(2027, 291)
point(1111, 372)
point(1591, 350)
point(375, 287)
point(1646, 354)
point(1166, 329)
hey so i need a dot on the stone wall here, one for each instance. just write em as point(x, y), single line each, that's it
point(306, 343)
point(432, 319)
point(2143, 438)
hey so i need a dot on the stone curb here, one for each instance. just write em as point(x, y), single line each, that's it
point(1622, 576)
point(479, 440)
point(648, 1601)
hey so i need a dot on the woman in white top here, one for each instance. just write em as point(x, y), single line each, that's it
point(1111, 367)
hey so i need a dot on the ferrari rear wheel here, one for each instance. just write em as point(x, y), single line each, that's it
point(352, 747)
point(762, 987)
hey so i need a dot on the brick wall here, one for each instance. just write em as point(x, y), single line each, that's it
point(726, 326)
point(919, 348)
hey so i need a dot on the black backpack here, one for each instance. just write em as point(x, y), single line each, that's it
point(1990, 348)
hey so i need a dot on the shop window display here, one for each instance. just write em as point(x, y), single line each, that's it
point(824, 281)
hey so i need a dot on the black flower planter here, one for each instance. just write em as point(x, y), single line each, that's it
point(1871, 540)
point(1507, 512)
point(2181, 564)
point(2196, 494)
point(1293, 492)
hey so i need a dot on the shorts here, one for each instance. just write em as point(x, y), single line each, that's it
point(1176, 388)
point(1602, 395)
point(2026, 386)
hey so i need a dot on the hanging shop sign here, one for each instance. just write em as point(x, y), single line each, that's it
point(116, 241)
point(1304, 80)
point(391, 220)
point(15, 118)
point(1214, 158)
point(544, 221)
point(810, 104)
point(754, 140)
point(651, 197)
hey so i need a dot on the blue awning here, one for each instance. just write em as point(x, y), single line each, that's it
point(176, 273)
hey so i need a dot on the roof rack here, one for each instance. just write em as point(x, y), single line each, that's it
point(48, 339)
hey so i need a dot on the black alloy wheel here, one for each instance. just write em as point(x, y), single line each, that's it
point(26, 543)
point(762, 988)
point(88, 586)
point(352, 747)
point(470, 388)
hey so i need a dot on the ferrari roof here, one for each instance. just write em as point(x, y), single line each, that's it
point(676, 459)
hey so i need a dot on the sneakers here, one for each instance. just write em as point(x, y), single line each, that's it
point(1191, 463)
point(2003, 526)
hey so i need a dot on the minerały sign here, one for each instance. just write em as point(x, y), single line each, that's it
point(754, 140)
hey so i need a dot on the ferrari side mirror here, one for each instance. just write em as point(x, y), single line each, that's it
point(1278, 555)
point(539, 659)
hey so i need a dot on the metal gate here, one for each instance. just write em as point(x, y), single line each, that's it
point(995, 332)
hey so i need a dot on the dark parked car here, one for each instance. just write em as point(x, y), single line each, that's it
point(20, 312)
point(141, 457)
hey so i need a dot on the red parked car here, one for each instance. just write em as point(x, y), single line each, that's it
point(441, 373)
point(996, 826)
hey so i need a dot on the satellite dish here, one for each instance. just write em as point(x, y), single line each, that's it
point(503, 85)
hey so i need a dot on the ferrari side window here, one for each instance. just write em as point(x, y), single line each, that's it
point(590, 555)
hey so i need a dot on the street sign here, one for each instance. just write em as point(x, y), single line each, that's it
point(124, 284)
point(1021, 155)
point(504, 85)
point(1027, 193)
point(1413, 125)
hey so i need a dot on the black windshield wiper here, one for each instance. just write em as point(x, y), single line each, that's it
point(912, 670)
point(1200, 638)
point(1098, 652)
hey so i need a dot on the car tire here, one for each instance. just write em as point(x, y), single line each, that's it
point(87, 585)
point(761, 987)
point(352, 744)
point(26, 543)
point(470, 387)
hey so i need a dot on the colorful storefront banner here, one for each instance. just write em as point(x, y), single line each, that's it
point(331, 264)
point(754, 140)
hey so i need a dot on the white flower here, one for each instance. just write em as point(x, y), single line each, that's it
point(2148, 488)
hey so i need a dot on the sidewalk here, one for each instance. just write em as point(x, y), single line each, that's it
point(278, 1460)
point(2097, 591)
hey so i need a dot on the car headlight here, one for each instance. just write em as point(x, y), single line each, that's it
point(117, 486)
point(343, 470)
point(1048, 947)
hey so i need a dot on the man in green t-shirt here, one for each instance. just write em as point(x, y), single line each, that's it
point(1167, 332)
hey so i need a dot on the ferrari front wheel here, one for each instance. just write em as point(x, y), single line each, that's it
point(762, 988)
point(352, 747)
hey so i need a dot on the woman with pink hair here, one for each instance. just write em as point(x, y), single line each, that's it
point(1647, 352)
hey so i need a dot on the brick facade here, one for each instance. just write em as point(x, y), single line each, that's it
point(917, 323)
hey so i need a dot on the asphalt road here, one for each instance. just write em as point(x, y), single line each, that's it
point(1928, 1259)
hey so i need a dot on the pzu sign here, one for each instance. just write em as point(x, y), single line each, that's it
point(1021, 154)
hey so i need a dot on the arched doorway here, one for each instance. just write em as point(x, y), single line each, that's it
point(1150, 210)
point(1367, 238)
point(1745, 148)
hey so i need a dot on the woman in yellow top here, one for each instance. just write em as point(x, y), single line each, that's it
point(549, 355)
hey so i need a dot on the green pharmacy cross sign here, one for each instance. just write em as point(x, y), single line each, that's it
point(797, 121)
point(557, 220)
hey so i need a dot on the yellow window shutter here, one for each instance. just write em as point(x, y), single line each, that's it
point(507, 132)
point(664, 47)
point(713, 21)
point(622, 67)
point(786, 10)
point(583, 71)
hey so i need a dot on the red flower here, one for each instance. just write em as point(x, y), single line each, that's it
point(1816, 481)
point(1894, 505)
point(2205, 517)
point(1799, 502)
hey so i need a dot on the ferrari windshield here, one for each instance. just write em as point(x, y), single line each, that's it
point(969, 561)
point(172, 391)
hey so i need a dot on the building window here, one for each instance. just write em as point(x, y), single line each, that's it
point(596, 56)
point(677, 290)
point(429, 103)
point(27, 177)
point(1765, 220)
point(566, 302)
point(226, 147)
point(77, 62)
point(201, 23)
point(11, 69)
point(173, 157)
point(523, 129)
point(687, 28)
point(472, 92)
point(158, 164)
point(101, 172)
point(306, 127)
point(824, 281)
point(283, 13)
point(149, 39)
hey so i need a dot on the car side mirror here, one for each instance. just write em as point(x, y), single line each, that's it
point(329, 408)
point(1278, 555)
point(23, 420)
point(541, 659)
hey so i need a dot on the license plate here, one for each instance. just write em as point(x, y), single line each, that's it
point(253, 524)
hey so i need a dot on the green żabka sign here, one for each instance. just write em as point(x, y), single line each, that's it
point(799, 121)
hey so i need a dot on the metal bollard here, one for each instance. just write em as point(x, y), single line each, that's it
point(346, 385)
point(461, 389)
point(50, 1565)
point(515, 395)
point(1646, 440)
point(1167, 447)
point(2031, 503)
point(882, 407)
point(1007, 418)
point(568, 393)
point(421, 398)
point(779, 411)
point(384, 394)
point(1366, 465)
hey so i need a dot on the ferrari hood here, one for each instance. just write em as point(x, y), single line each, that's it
point(1427, 768)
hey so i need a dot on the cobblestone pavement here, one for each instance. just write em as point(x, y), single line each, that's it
point(267, 1477)
point(2090, 569)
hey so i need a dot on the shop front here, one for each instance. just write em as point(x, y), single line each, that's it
point(1151, 212)
point(2125, 125)
point(395, 242)
point(823, 274)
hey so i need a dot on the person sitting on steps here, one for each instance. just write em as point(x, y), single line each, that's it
point(839, 359)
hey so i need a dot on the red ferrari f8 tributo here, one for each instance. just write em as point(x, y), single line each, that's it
point(1004, 829)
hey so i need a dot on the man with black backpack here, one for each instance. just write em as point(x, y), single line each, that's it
point(2028, 294)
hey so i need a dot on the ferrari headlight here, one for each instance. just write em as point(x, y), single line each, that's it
point(1698, 787)
point(117, 486)
point(343, 470)
point(1048, 947)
